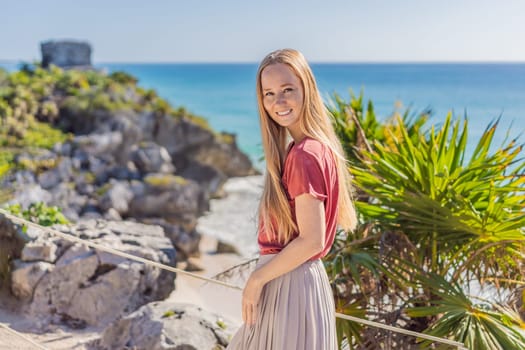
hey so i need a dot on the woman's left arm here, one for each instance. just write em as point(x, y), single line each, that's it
point(310, 217)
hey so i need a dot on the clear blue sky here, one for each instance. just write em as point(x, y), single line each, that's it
point(245, 30)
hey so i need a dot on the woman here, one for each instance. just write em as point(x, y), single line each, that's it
point(287, 302)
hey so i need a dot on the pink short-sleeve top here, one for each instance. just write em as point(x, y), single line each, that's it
point(309, 167)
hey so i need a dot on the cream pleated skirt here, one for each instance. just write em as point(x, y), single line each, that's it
point(296, 312)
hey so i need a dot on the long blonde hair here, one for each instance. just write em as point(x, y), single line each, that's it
point(315, 122)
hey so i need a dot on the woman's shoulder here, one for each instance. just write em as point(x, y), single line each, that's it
point(309, 146)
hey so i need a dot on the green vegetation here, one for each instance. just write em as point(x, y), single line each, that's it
point(168, 313)
point(39, 213)
point(6, 159)
point(226, 137)
point(165, 180)
point(37, 166)
point(221, 324)
point(32, 99)
point(173, 313)
point(102, 190)
point(434, 221)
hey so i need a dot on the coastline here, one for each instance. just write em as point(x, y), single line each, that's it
point(232, 220)
point(220, 223)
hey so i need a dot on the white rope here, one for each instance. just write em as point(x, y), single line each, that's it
point(459, 345)
point(115, 251)
point(71, 238)
point(15, 333)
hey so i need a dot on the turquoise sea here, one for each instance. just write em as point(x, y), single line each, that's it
point(225, 93)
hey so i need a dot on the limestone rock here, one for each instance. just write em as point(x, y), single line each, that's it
point(39, 250)
point(11, 232)
point(34, 233)
point(224, 156)
point(107, 294)
point(167, 325)
point(185, 239)
point(64, 196)
point(98, 143)
point(85, 286)
point(151, 158)
point(43, 158)
point(178, 136)
point(48, 179)
point(125, 172)
point(25, 195)
point(138, 239)
point(12, 241)
point(117, 197)
point(22, 177)
point(25, 276)
point(188, 243)
point(193, 265)
point(112, 215)
point(52, 177)
point(174, 198)
point(63, 149)
point(223, 247)
point(55, 291)
point(143, 149)
point(207, 176)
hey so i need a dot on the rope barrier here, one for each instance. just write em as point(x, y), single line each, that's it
point(100, 247)
point(116, 251)
point(459, 345)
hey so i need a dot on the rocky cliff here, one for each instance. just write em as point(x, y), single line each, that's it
point(64, 282)
point(125, 154)
point(128, 170)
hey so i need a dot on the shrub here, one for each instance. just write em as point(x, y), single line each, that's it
point(433, 219)
point(39, 213)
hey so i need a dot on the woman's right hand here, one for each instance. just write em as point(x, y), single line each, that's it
point(250, 298)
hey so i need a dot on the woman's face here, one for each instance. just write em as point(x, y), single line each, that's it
point(282, 94)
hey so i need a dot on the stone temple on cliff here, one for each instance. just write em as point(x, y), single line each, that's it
point(66, 54)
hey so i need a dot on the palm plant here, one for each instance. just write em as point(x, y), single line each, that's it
point(356, 126)
point(434, 221)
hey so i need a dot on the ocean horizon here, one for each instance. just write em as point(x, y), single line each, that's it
point(224, 93)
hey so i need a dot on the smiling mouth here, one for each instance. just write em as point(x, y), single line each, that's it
point(284, 113)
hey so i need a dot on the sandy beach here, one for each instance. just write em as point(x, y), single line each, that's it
point(230, 219)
